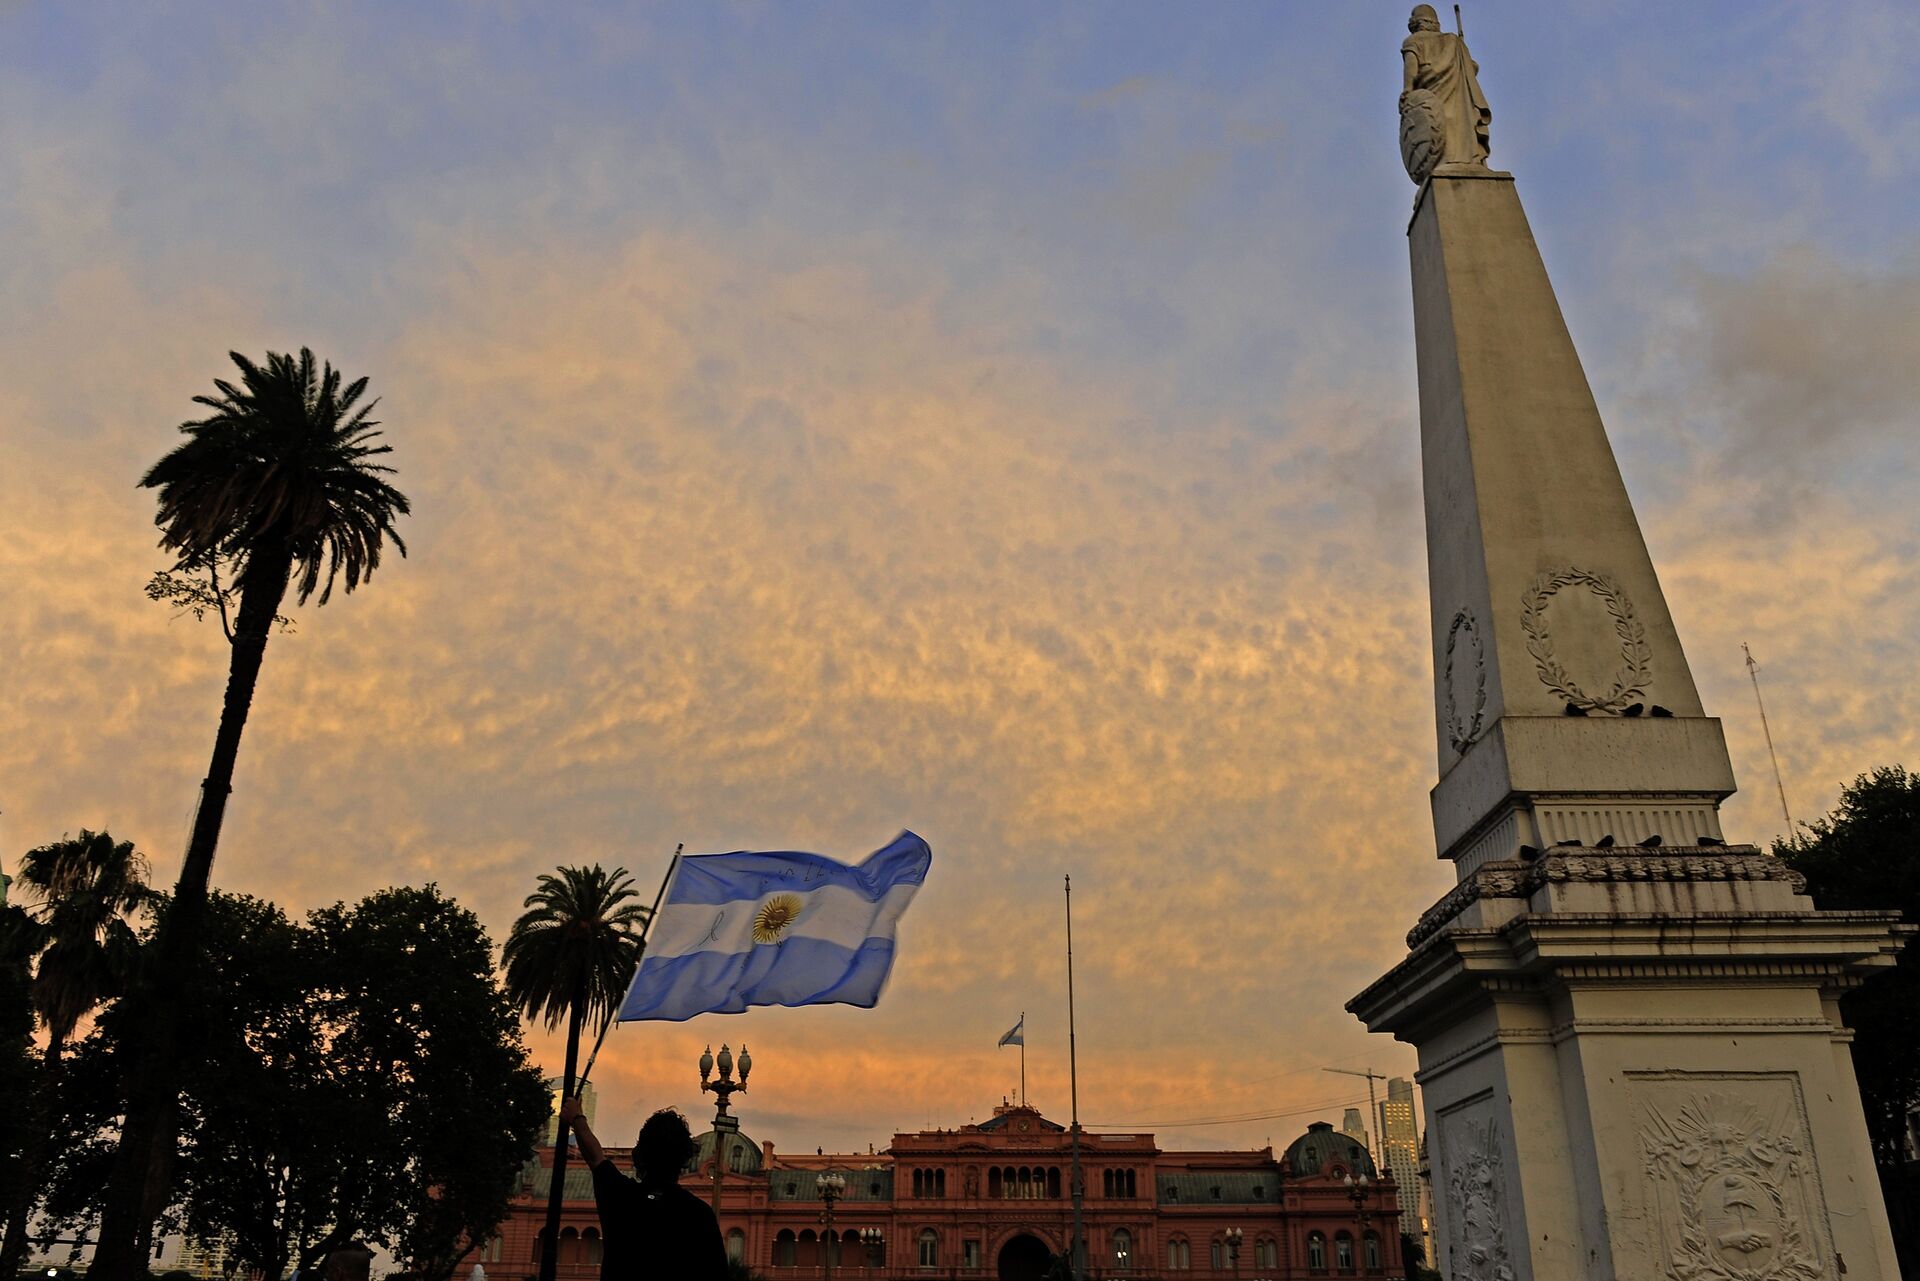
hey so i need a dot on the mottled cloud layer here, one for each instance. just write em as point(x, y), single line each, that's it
point(1017, 444)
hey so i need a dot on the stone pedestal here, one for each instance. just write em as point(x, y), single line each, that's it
point(1634, 1068)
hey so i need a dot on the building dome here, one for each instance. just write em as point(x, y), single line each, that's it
point(743, 1154)
point(1323, 1149)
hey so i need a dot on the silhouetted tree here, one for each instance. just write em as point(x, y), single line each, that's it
point(84, 890)
point(571, 955)
point(279, 482)
point(361, 1076)
point(19, 941)
point(1866, 854)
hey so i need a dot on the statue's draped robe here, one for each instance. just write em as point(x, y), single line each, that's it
point(1444, 68)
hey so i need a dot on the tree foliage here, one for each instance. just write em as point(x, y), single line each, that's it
point(19, 940)
point(282, 466)
point(1866, 855)
point(577, 940)
point(84, 892)
point(360, 1076)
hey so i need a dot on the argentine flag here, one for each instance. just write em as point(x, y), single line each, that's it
point(742, 929)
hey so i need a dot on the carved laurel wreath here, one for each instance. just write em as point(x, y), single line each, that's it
point(1635, 654)
point(1462, 732)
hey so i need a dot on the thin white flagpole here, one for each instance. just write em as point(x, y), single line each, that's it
point(1023, 1058)
point(641, 955)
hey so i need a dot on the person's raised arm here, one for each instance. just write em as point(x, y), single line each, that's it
point(572, 1114)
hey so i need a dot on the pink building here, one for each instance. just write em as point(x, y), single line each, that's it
point(993, 1201)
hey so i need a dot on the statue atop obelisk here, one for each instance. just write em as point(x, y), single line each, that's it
point(1444, 117)
point(1631, 1052)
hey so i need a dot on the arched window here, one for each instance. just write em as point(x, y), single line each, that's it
point(1106, 1183)
point(939, 1182)
point(590, 1246)
point(1266, 1253)
point(736, 1246)
point(1316, 1252)
point(1179, 1255)
point(783, 1249)
point(918, 1182)
point(1219, 1255)
point(807, 1249)
point(1371, 1251)
point(1053, 1182)
point(1133, 1186)
point(993, 1182)
point(929, 1248)
point(1122, 1249)
point(569, 1246)
point(1343, 1252)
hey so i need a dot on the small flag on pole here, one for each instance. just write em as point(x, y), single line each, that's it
point(1016, 1035)
point(743, 929)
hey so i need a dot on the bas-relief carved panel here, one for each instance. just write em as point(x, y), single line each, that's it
point(1577, 659)
point(1473, 1178)
point(1732, 1185)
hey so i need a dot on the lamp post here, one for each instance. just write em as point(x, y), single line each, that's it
point(831, 1185)
point(725, 1125)
point(1233, 1248)
point(871, 1238)
point(1358, 1190)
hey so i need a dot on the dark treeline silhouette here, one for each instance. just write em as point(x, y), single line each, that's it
point(1866, 855)
point(356, 1076)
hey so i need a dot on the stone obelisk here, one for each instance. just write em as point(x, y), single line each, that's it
point(1630, 1047)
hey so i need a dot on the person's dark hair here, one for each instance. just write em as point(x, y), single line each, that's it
point(665, 1145)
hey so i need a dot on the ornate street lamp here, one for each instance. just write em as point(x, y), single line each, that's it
point(1233, 1248)
point(724, 1087)
point(831, 1185)
point(872, 1239)
point(1358, 1190)
point(724, 1125)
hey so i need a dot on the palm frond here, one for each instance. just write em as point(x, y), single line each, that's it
point(578, 939)
point(282, 461)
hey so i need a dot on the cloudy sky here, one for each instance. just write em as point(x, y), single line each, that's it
point(991, 419)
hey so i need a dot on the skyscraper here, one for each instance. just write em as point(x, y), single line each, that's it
point(1400, 1153)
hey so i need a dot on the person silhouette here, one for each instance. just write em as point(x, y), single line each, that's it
point(651, 1227)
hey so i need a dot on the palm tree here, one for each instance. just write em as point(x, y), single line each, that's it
point(571, 955)
point(279, 483)
point(84, 889)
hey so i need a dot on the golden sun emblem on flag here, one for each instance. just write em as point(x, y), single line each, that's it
point(774, 916)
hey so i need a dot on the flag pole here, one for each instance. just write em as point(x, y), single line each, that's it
point(1023, 1058)
point(1074, 1252)
point(638, 956)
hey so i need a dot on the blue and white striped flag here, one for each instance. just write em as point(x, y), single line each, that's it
point(744, 929)
point(1016, 1035)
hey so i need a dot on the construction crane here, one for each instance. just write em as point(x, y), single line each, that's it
point(1753, 673)
point(1373, 1111)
